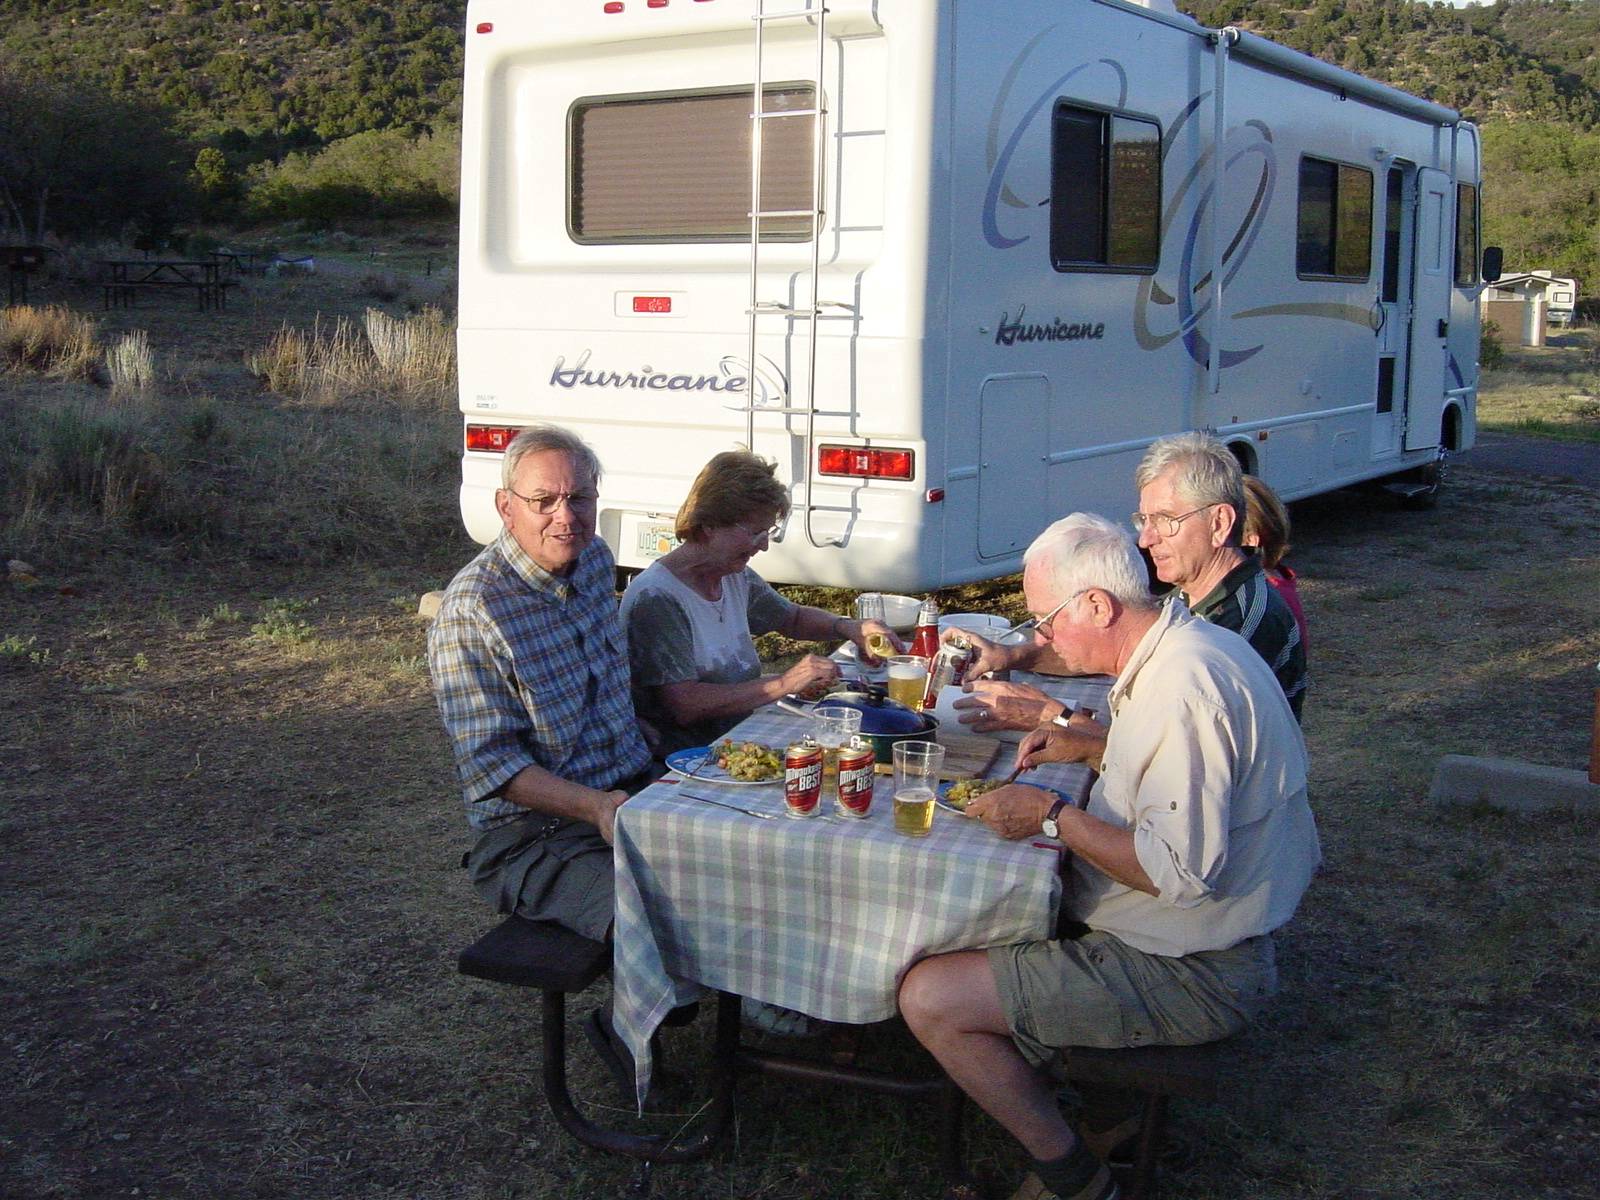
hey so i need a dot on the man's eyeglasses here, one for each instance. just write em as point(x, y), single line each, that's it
point(1041, 625)
point(1165, 524)
point(545, 503)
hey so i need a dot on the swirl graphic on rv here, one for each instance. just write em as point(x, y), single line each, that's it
point(1180, 291)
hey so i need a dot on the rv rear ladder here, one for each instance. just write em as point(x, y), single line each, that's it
point(811, 310)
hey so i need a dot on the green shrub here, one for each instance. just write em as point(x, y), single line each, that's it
point(96, 461)
point(1491, 351)
point(381, 173)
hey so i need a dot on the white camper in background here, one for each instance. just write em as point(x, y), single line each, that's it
point(1003, 248)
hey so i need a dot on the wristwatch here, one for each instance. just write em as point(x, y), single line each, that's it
point(1048, 826)
point(1063, 718)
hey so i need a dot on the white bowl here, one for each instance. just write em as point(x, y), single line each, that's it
point(900, 612)
point(985, 625)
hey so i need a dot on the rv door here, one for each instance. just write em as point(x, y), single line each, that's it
point(1430, 300)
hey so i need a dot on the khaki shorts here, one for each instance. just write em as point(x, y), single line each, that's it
point(1099, 991)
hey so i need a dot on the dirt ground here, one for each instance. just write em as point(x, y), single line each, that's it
point(229, 835)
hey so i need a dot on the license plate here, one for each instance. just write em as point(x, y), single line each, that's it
point(643, 539)
point(655, 540)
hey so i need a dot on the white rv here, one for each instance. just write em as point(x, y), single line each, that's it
point(1002, 248)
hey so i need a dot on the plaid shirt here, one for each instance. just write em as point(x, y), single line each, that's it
point(530, 668)
point(1250, 606)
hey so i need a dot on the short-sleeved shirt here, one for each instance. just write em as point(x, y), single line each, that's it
point(1207, 766)
point(531, 668)
point(1250, 606)
point(676, 635)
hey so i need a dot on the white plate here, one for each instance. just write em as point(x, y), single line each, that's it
point(700, 764)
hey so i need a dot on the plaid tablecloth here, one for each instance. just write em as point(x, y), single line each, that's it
point(821, 915)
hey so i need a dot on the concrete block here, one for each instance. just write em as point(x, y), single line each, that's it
point(428, 606)
point(1510, 786)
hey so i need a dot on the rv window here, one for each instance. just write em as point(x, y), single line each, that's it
point(1335, 226)
point(1466, 235)
point(1105, 191)
point(676, 167)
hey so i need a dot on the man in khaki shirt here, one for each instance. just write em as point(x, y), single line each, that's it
point(1196, 843)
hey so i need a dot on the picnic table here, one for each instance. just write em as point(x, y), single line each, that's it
point(242, 262)
point(822, 915)
point(125, 278)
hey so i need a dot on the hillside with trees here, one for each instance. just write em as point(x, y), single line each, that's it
point(324, 109)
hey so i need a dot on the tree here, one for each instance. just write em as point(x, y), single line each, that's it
point(73, 159)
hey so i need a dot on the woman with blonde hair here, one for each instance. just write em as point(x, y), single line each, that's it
point(1266, 527)
point(692, 615)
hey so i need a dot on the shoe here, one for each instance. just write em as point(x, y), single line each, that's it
point(1032, 1188)
point(776, 1020)
point(1112, 1143)
point(613, 1055)
point(667, 1087)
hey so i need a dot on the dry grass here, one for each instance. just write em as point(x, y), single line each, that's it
point(1552, 390)
point(231, 828)
point(131, 363)
point(53, 341)
point(408, 358)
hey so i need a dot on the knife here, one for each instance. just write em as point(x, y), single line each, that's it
point(749, 812)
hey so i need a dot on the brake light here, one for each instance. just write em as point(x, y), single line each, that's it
point(491, 439)
point(866, 462)
point(652, 304)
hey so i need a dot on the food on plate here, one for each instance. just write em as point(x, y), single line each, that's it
point(964, 791)
point(749, 761)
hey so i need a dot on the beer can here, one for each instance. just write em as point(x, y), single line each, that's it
point(802, 778)
point(948, 669)
point(857, 764)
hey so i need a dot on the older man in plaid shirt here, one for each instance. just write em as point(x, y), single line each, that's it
point(530, 669)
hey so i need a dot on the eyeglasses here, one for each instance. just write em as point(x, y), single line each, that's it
point(545, 503)
point(1165, 524)
point(761, 535)
point(1041, 625)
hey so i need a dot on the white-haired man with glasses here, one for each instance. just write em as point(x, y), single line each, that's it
point(1191, 521)
point(1197, 842)
point(530, 670)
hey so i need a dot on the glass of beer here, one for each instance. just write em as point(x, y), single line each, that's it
point(908, 679)
point(916, 776)
point(833, 725)
point(869, 607)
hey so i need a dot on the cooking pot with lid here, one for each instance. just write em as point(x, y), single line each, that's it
point(883, 721)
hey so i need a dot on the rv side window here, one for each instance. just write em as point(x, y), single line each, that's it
point(675, 167)
point(1335, 227)
point(1466, 235)
point(1105, 191)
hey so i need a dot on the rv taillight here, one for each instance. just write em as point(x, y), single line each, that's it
point(865, 462)
point(485, 26)
point(491, 439)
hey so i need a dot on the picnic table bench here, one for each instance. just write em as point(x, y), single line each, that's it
point(125, 278)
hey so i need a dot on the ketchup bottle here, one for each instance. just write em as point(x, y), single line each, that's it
point(925, 641)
